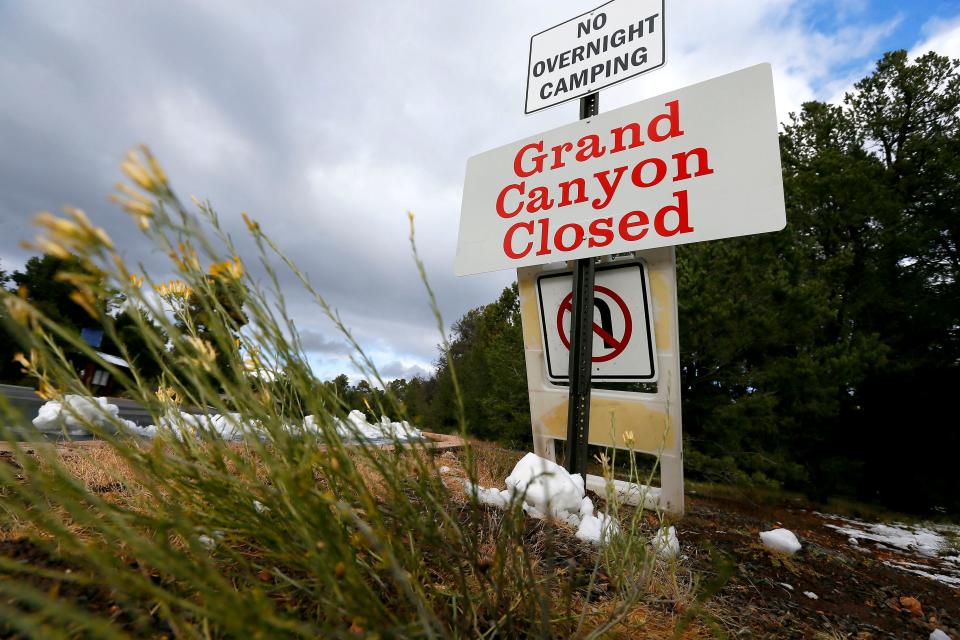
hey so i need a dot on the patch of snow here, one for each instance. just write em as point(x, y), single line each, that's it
point(444, 469)
point(78, 414)
point(207, 542)
point(546, 486)
point(626, 492)
point(356, 428)
point(853, 541)
point(259, 507)
point(489, 497)
point(586, 507)
point(900, 536)
point(75, 414)
point(597, 529)
point(786, 586)
point(665, 543)
point(547, 489)
point(921, 570)
point(780, 540)
point(928, 543)
point(811, 595)
point(937, 634)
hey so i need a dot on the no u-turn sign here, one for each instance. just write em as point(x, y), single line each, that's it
point(623, 340)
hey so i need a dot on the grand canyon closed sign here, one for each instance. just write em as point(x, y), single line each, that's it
point(699, 163)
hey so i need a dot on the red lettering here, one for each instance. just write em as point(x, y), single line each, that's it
point(602, 227)
point(544, 229)
point(508, 240)
point(637, 175)
point(537, 160)
point(565, 188)
point(626, 224)
point(672, 118)
point(577, 237)
point(635, 139)
point(501, 211)
point(539, 200)
point(703, 168)
point(590, 147)
point(558, 152)
point(608, 189)
point(683, 224)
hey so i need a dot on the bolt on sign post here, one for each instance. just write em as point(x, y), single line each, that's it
point(623, 187)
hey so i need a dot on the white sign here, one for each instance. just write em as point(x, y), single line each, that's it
point(699, 163)
point(623, 340)
point(616, 41)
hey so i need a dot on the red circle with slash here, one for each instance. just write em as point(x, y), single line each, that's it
point(618, 345)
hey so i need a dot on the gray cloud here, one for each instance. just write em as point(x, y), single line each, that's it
point(316, 342)
point(328, 121)
point(395, 370)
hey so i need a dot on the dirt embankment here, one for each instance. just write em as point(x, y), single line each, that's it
point(891, 582)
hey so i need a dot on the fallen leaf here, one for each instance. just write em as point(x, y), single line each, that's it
point(912, 605)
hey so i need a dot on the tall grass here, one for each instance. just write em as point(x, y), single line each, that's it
point(289, 532)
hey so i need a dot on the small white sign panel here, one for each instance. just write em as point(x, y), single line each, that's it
point(699, 163)
point(614, 42)
point(623, 340)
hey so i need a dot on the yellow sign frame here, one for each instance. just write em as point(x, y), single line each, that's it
point(654, 419)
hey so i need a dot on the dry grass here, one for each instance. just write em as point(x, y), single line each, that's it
point(672, 591)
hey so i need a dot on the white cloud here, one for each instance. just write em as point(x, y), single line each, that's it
point(942, 36)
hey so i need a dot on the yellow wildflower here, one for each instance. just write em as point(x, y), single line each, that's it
point(47, 391)
point(203, 354)
point(252, 225)
point(86, 301)
point(134, 203)
point(144, 170)
point(158, 173)
point(174, 289)
point(17, 306)
point(228, 269)
point(84, 294)
point(50, 248)
point(29, 364)
point(187, 258)
point(73, 235)
point(168, 394)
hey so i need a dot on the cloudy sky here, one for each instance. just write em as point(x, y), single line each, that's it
point(327, 121)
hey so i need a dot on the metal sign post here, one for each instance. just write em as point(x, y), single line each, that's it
point(581, 344)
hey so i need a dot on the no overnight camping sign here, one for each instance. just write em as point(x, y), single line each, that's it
point(699, 163)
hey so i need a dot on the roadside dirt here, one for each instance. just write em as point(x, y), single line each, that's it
point(857, 594)
point(763, 594)
point(832, 588)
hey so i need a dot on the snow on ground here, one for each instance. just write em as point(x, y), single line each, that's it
point(781, 540)
point(666, 544)
point(75, 413)
point(356, 427)
point(547, 489)
point(597, 528)
point(929, 543)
